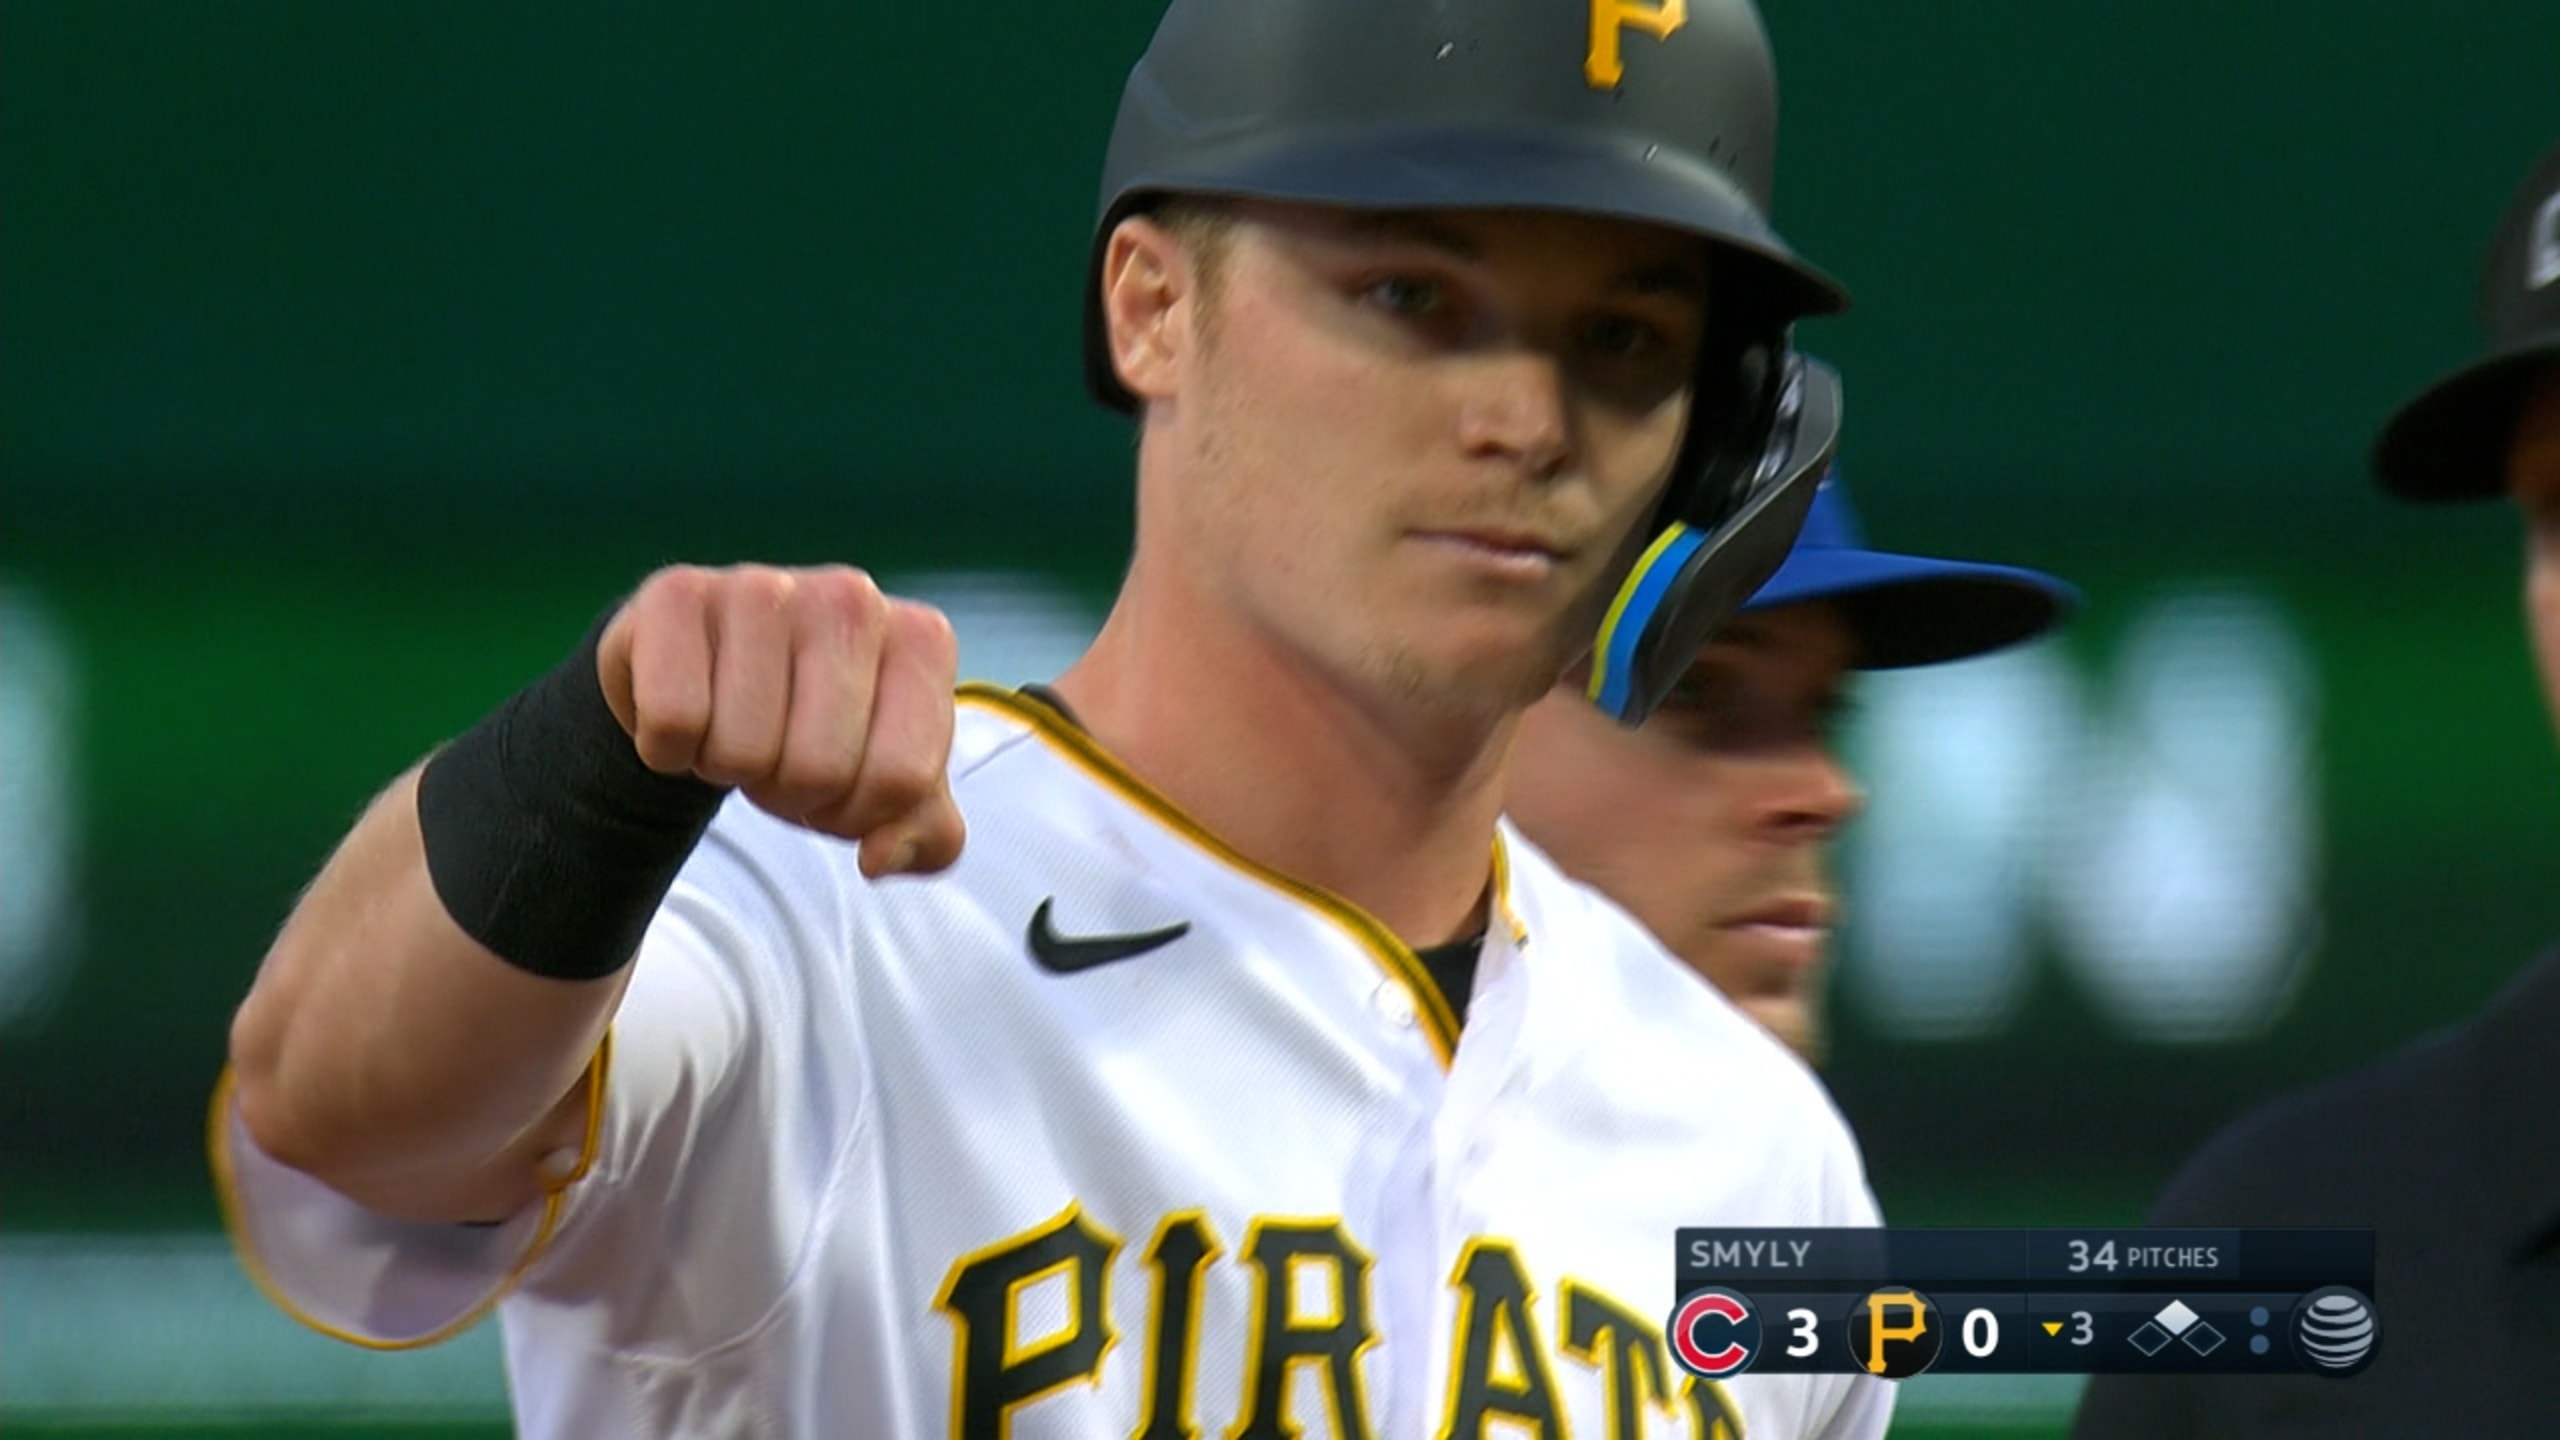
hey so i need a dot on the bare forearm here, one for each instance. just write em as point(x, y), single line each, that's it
point(385, 1051)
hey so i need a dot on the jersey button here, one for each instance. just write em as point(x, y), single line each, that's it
point(1394, 1006)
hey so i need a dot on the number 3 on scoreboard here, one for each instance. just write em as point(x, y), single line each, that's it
point(1806, 1326)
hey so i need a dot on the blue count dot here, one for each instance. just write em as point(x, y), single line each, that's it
point(2258, 1344)
point(2258, 1316)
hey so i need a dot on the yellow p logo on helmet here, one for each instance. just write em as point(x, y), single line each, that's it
point(1600, 64)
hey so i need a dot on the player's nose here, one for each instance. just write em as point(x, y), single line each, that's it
point(1809, 795)
point(1514, 409)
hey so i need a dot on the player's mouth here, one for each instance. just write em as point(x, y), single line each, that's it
point(1508, 554)
point(1792, 930)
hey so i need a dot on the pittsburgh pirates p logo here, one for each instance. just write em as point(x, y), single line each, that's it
point(1895, 1348)
point(1657, 18)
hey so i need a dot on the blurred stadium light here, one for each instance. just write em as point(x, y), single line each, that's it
point(39, 807)
point(2157, 833)
point(1013, 628)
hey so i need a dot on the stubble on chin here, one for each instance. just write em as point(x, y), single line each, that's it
point(1403, 677)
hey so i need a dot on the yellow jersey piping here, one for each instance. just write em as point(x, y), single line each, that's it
point(226, 1190)
point(1392, 954)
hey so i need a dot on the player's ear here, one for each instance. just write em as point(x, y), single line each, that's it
point(1145, 289)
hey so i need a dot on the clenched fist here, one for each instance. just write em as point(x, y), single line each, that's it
point(827, 702)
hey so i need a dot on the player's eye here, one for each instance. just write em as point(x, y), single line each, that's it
point(1623, 337)
point(1701, 705)
point(1687, 693)
point(1411, 297)
point(1834, 713)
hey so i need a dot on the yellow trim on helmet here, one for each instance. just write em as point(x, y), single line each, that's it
point(1618, 605)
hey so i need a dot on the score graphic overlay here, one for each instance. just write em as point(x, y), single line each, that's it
point(1898, 1303)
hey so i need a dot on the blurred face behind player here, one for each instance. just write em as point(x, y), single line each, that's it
point(2533, 478)
point(1710, 824)
point(1407, 451)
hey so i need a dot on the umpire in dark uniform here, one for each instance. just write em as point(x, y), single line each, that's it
point(2449, 1150)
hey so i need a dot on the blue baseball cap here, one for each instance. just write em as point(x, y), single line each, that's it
point(1908, 609)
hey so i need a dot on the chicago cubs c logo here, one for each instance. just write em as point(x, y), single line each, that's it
point(1657, 18)
point(1714, 1333)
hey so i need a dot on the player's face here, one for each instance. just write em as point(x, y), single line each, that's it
point(1418, 446)
point(2533, 478)
point(1710, 823)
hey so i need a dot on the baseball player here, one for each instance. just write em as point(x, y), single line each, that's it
point(787, 1050)
point(1711, 823)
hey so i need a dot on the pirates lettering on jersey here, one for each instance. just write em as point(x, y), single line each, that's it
point(1711, 1410)
point(914, 1064)
point(1180, 1256)
point(1282, 1339)
point(1500, 1368)
point(1310, 1309)
point(1598, 1330)
point(1602, 1333)
point(992, 1371)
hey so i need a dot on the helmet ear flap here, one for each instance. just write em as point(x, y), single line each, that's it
point(1742, 368)
point(1762, 432)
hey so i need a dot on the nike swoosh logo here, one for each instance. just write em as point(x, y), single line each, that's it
point(1066, 954)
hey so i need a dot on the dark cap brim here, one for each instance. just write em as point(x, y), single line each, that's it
point(2451, 441)
point(1911, 610)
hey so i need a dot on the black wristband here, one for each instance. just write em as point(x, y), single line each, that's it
point(547, 839)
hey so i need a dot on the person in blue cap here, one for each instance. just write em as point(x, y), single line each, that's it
point(1711, 822)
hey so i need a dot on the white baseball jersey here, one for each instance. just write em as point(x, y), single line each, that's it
point(1108, 1131)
